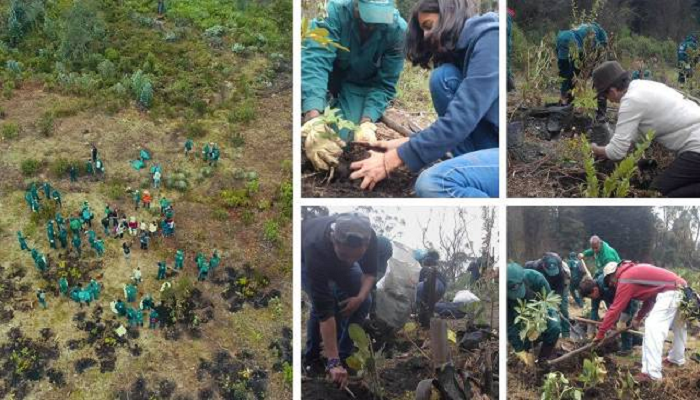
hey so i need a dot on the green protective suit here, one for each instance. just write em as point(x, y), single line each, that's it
point(75, 225)
point(56, 196)
point(47, 190)
point(76, 242)
point(162, 270)
point(91, 237)
point(533, 283)
point(41, 296)
point(205, 152)
point(576, 277)
point(22, 241)
point(605, 255)
point(34, 191)
point(63, 286)
point(130, 293)
point(179, 259)
point(189, 144)
point(40, 262)
point(88, 168)
point(214, 261)
point(94, 288)
point(99, 247)
point(120, 307)
point(59, 219)
point(363, 80)
point(63, 237)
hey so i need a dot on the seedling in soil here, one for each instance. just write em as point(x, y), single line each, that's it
point(365, 361)
point(534, 314)
point(627, 387)
point(594, 372)
point(556, 387)
point(617, 184)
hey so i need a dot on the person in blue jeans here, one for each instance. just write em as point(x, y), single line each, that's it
point(462, 47)
point(339, 267)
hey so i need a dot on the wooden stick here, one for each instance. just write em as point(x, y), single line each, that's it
point(590, 321)
point(588, 274)
point(390, 123)
point(587, 347)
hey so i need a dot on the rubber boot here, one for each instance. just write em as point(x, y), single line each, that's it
point(546, 352)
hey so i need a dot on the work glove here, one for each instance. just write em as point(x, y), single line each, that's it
point(366, 132)
point(527, 358)
point(322, 146)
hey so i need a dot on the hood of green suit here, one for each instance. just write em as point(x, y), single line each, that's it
point(516, 277)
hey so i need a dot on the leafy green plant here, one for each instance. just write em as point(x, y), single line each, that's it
point(23, 360)
point(247, 217)
point(586, 16)
point(617, 184)
point(331, 118)
point(288, 371)
point(271, 231)
point(30, 166)
point(627, 387)
point(538, 64)
point(233, 198)
point(10, 130)
point(365, 361)
point(593, 373)
point(556, 387)
point(533, 315)
point(252, 187)
point(46, 124)
point(318, 35)
point(585, 100)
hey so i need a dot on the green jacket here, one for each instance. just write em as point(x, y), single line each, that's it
point(372, 68)
point(535, 282)
point(605, 255)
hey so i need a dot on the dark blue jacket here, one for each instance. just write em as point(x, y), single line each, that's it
point(471, 120)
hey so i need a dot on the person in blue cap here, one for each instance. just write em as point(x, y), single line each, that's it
point(360, 77)
point(588, 42)
point(22, 241)
point(577, 274)
point(461, 48)
point(525, 284)
point(558, 277)
point(687, 57)
point(339, 267)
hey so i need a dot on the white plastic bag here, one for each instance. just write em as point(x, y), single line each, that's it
point(465, 296)
point(396, 291)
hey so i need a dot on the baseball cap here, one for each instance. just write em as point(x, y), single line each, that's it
point(551, 265)
point(610, 268)
point(352, 229)
point(377, 11)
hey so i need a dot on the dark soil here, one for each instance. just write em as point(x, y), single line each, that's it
point(246, 286)
point(233, 377)
point(400, 184)
point(23, 359)
point(282, 348)
point(541, 164)
point(320, 389)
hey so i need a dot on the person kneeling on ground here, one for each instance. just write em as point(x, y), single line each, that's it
point(463, 48)
point(524, 284)
point(658, 289)
point(360, 80)
point(557, 275)
point(652, 106)
point(339, 265)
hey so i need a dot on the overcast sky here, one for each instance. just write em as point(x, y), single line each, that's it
point(416, 216)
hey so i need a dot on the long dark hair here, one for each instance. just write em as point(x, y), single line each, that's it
point(453, 15)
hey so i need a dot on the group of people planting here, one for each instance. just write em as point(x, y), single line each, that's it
point(458, 153)
point(635, 295)
point(644, 104)
point(61, 231)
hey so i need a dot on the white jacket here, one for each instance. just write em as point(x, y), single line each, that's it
point(650, 105)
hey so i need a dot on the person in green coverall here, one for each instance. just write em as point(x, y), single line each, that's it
point(602, 253)
point(577, 274)
point(179, 259)
point(361, 78)
point(22, 241)
point(523, 284)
